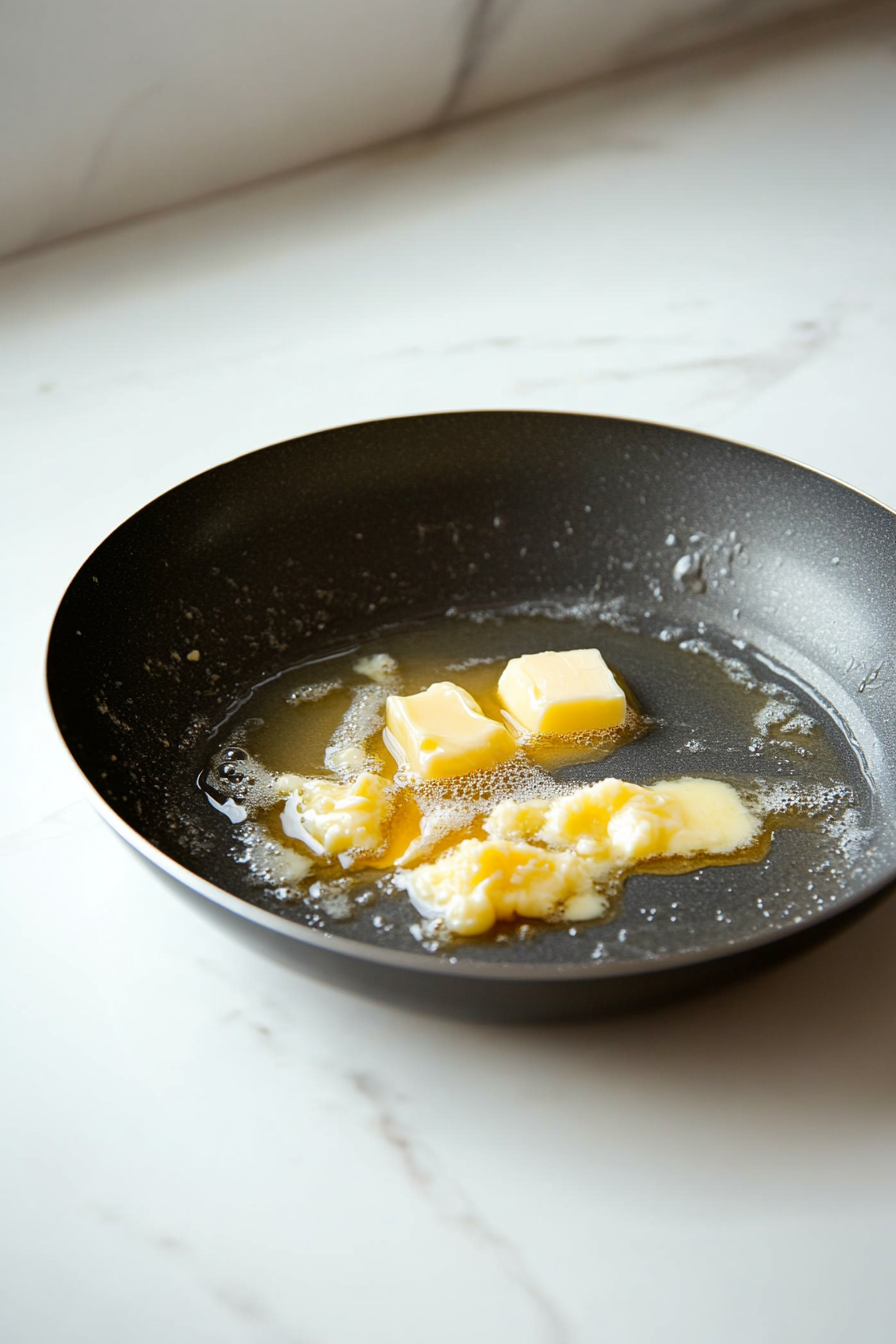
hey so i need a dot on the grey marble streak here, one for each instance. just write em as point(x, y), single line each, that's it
point(65, 215)
point(130, 109)
point(453, 1205)
point(738, 377)
point(230, 1298)
point(272, 1023)
point(484, 22)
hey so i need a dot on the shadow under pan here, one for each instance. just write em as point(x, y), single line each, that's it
point(707, 572)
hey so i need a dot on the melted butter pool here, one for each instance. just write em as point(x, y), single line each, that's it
point(698, 706)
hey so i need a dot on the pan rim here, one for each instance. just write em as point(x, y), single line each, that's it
point(415, 962)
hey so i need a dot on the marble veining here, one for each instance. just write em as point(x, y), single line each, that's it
point(100, 154)
point(452, 1204)
point(737, 378)
point(671, 31)
point(107, 113)
point(186, 1260)
point(483, 24)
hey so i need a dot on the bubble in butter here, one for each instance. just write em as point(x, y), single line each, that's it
point(549, 858)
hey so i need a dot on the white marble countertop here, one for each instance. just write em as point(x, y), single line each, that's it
point(200, 1146)
point(110, 111)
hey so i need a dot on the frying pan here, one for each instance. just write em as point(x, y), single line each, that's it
point(314, 544)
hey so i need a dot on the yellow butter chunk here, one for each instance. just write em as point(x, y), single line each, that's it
point(579, 820)
point(549, 858)
point(696, 816)
point(332, 818)
point(482, 881)
point(559, 693)
point(621, 823)
point(442, 732)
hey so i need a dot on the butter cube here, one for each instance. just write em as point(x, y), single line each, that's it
point(442, 732)
point(559, 693)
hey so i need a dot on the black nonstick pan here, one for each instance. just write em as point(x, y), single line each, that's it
point(648, 540)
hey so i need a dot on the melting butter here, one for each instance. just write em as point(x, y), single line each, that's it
point(625, 823)
point(550, 858)
point(481, 881)
point(334, 819)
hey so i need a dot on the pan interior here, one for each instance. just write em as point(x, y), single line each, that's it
point(668, 550)
point(713, 708)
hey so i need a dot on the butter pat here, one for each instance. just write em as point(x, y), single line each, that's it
point(580, 820)
point(442, 732)
point(559, 693)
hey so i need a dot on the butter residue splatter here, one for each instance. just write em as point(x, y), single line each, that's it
point(365, 716)
point(309, 695)
point(379, 667)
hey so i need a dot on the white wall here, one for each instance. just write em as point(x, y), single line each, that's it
point(109, 108)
